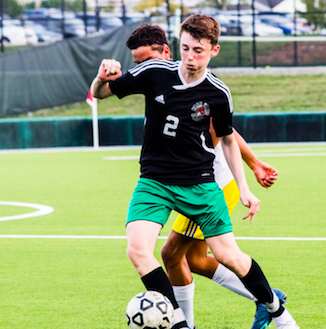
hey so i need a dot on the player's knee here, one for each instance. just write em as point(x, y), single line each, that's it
point(170, 257)
point(195, 264)
point(167, 255)
point(136, 253)
point(238, 263)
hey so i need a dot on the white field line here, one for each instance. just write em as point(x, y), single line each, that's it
point(292, 150)
point(123, 237)
point(137, 147)
point(123, 157)
point(291, 154)
point(71, 149)
point(41, 210)
point(273, 39)
point(260, 154)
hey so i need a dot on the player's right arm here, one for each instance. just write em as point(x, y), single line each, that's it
point(233, 157)
point(109, 70)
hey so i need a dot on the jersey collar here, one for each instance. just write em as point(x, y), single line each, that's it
point(186, 85)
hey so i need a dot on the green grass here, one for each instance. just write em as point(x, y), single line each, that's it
point(250, 94)
point(87, 283)
point(13, 48)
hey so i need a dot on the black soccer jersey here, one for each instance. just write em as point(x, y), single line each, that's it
point(177, 147)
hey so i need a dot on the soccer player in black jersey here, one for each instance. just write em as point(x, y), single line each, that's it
point(176, 161)
point(185, 249)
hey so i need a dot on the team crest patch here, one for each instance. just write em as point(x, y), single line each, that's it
point(200, 109)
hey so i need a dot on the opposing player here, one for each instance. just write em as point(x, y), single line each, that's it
point(186, 249)
point(176, 162)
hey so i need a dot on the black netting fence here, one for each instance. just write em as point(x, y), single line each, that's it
point(74, 43)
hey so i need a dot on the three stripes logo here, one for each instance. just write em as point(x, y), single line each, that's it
point(160, 99)
point(220, 222)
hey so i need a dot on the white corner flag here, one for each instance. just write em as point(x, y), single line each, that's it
point(92, 101)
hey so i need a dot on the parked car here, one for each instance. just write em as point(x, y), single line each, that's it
point(228, 27)
point(42, 33)
point(40, 15)
point(73, 27)
point(18, 35)
point(135, 17)
point(106, 21)
point(261, 29)
point(286, 24)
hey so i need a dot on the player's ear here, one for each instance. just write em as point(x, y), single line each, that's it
point(215, 50)
point(166, 52)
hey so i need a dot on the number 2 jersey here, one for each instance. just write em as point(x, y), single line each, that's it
point(177, 147)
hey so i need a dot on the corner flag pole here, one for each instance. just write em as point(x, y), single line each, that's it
point(93, 104)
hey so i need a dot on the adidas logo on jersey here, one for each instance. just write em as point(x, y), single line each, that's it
point(160, 99)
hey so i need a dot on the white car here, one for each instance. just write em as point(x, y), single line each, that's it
point(261, 29)
point(286, 24)
point(18, 36)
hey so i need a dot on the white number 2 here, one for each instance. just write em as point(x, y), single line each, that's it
point(171, 126)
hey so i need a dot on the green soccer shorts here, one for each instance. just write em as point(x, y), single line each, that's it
point(202, 203)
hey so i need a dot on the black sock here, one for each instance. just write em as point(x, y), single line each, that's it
point(157, 280)
point(256, 282)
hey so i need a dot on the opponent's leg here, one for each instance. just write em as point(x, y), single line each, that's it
point(173, 255)
point(174, 258)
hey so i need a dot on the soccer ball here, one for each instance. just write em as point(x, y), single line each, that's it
point(150, 310)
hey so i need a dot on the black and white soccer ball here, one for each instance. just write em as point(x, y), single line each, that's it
point(150, 310)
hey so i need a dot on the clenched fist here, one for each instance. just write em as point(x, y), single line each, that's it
point(110, 69)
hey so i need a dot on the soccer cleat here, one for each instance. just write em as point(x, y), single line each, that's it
point(262, 317)
point(285, 321)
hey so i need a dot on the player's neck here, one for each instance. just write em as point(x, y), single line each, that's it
point(192, 76)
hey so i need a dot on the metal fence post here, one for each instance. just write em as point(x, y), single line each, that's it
point(98, 18)
point(63, 18)
point(239, 33)
point(168, 19)
point(1, 26)
point(254, 60)
point(124, 16)
point(85, 15)
point(295, 45)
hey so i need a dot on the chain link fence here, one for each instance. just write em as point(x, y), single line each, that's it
point(248, 38)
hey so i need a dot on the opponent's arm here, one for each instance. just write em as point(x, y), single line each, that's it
point(265, 174)
point(233, 157)
point(212, 132)
point(109, 70)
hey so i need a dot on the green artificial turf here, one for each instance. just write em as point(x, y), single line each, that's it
point(87, 283)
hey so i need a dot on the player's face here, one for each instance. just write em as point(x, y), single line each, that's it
point(196, 54)
point(144, 53)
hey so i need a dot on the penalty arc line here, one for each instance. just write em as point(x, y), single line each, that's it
point(123, 237)
point(41, 210)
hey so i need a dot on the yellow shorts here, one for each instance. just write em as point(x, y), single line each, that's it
point(187, 227)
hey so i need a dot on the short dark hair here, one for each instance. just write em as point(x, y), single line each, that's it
point(202, 27)
point(147, 35)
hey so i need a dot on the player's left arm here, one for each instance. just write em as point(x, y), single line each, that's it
point(265, 173)
point(233, 157)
